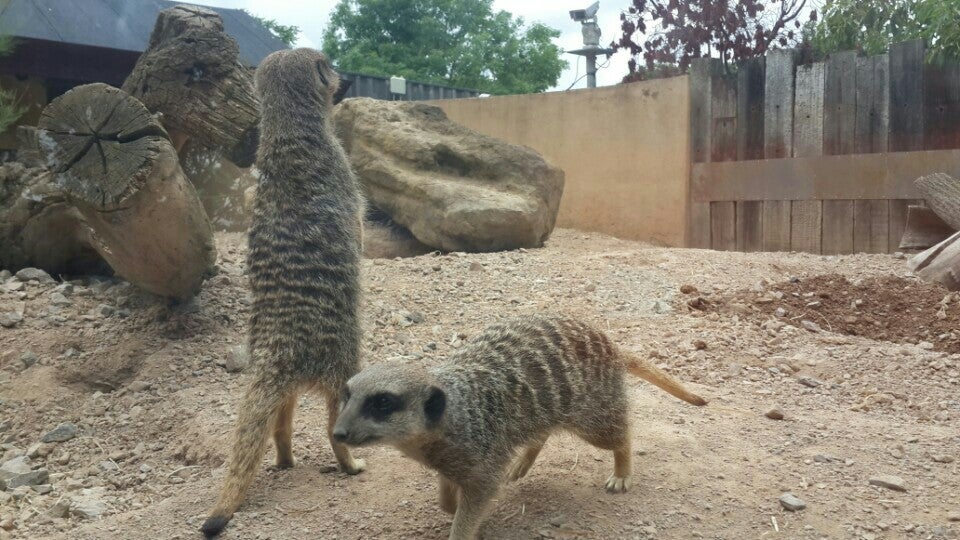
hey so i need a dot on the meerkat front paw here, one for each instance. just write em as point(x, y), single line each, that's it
point(615, 484)
point(357, 467)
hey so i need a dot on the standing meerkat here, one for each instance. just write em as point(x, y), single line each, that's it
point(508, 389)
point(304, 265)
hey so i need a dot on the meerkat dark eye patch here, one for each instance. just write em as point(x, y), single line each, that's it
point(435, 405)
point(323, 78)
point(380, 406)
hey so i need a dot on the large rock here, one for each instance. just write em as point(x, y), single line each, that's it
point(453, 188)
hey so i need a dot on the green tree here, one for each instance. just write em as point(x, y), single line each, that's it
point(287, 33)
point(10, 109)
point(455, 42)
point(872, 26)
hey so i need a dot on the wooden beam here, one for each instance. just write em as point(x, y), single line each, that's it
point(808, 111)
point(749, 226)
point(778, 103)
point(806, 226)
point(855, 176)
point(873, 104)
point(723, 225)
point(776, 225)
point(840, 104)
point(750, 92)
point(906, 96)
point(837, 227)
point(702, 71)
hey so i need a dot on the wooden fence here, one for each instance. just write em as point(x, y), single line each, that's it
point(818, 157)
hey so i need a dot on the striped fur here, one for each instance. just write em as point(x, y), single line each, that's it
point(304, 265)
point(504, 392)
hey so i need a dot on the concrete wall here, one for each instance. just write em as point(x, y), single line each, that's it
point(625, 151)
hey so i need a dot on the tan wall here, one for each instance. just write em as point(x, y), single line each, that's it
point(31, 94)
point(625, 151)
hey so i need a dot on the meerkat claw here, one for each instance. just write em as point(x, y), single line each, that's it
point(615, 484)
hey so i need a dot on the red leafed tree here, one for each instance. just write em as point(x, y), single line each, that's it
point(674, 32)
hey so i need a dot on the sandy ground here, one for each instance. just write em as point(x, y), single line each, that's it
point(153, 400)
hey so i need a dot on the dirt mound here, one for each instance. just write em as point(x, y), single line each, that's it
point(885, 308)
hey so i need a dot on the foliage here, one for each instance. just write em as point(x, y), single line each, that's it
point(287, 33)
point(461, 43)
point(10, 110)
point(871, 26)
point(864, 25)
point(677, 31)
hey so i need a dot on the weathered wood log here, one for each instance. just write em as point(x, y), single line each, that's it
point(115, 163)
point(942, 193)
point(191, 73)
point(38, 228)
point(940, 264)
point(923, 228)
point(220, 184)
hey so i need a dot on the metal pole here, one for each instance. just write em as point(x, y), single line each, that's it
point(591, 71)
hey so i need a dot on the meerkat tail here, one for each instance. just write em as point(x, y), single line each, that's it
point(658, 377)
point(260, 405)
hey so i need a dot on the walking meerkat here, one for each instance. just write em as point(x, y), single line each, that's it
point(304, 267)
point(508, 389)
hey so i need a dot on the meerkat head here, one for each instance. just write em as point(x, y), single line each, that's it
point(389, 404)
point(296, 72)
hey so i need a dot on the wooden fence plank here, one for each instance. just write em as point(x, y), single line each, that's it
point(873, 104)
point(840, 104)
point(749, 226)
point(906, 96)
point(855, 176)
point(941, 101)
point(778, 103)
point(776, 225)
point(871, 232)
point(723, 225)
point(702, 71)
point(806, 225)
point(750, 92)
point(808, 111)
point(723, 110)
point(699, 225)
point(837, 227)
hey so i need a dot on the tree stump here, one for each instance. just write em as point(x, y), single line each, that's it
point(940, 264)
point(191, 73)
point(923, 229)
point(37, 226)
point(942, 193)
point(116, 165)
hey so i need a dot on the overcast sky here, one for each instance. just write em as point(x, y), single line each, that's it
point(312, 18)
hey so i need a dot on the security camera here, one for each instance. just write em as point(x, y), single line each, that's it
point(581, 15)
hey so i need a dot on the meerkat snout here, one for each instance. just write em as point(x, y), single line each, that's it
point(388, 405)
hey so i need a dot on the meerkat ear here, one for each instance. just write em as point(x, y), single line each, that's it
point(435, 406)
point(323, 76)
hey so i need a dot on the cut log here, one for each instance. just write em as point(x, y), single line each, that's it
point(942, 193)
point(115, 163)
point(940, 264)
point(191, 73)
point(38, 228)
point(923, 229)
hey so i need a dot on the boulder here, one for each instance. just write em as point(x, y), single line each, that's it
point(454, 189)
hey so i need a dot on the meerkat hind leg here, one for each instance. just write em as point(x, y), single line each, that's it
point(449, 495)
point(348, 463)
point(522, 465)
point(283, 432)
point(615, 437)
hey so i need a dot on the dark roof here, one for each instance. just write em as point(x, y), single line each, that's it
point(121, 24)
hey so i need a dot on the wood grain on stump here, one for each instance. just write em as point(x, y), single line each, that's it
point(191, 73)
point(114, 162)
